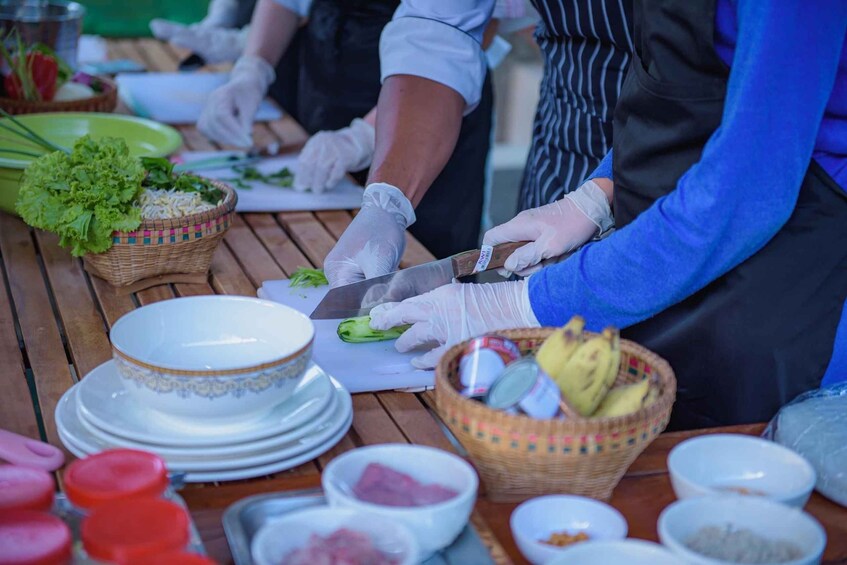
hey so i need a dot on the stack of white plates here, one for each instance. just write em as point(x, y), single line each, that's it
point(99, 413)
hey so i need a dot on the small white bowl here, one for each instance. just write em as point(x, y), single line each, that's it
point(684, 518)
point(218, 359)
point(435, 526)
point(710, 464)
point(628, 552)
point(283, 535)
point(538, 518)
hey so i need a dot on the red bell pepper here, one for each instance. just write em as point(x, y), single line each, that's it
point(40, 73)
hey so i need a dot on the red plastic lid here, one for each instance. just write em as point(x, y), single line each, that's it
point(123, 530)
point(114, 475)
point(173, 558)
point(33, 538)
point(25, 488)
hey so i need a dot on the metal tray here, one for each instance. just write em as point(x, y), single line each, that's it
point(244, 518)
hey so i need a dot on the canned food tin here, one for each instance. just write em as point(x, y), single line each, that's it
point(483, 360)
point(523, 385)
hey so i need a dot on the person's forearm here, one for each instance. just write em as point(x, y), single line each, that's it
point(370, 117)
point(271, 30)
point(418, 123)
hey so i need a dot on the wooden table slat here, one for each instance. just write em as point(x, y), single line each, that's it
point(309, 234)
point(227, 276)
point(286, 254)
point(256, 262)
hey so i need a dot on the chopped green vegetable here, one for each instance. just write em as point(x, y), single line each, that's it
point(305, 277)
point(83, 196)
point(358, 330)
point(160, 175)
point(283, 178)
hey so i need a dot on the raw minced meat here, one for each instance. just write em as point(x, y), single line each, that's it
point(383, 485)
point(341, 547)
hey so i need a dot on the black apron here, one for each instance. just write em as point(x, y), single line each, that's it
point(330, 75)
point(586, 48)
point(761, 334)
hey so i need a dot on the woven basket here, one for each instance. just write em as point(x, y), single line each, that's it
point(518, 457)
point(105, 101)
point(181, 247)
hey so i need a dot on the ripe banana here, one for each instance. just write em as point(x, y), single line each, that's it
point(584, 380)
point(614, 338)
point(560, 346)
point(626, 399)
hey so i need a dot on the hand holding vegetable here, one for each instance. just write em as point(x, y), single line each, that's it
point(554, 229)
point(329, 155)
point(454, 313)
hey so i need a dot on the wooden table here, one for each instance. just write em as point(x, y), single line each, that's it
point(55, 319)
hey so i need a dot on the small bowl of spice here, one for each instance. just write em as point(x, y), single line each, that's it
point(546, 526)
point(728, 529)
point(738, 464)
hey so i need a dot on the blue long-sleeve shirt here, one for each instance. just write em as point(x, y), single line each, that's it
point(786, 103)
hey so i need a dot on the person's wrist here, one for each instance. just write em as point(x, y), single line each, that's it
point(254, 67)
point(389, 198)
point(529, 320)
point(363, 137)
point(591, 201)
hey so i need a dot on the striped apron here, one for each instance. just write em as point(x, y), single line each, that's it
point(586, 46)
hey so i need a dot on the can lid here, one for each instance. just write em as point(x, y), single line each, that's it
point(516, 380)
point(172, 558)
point(115, 474)
point(34, 538)
point(25, 488)
point(122, 530)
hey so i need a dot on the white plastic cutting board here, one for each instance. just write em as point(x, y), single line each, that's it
point(347, 195)
point(176, 98)
point(360, 367)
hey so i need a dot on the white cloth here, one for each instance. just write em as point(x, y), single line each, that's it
point(228, 114)
point(453, 313)
point(439, 40)
point(374, 242)
point(329, 155)
point(553, 229)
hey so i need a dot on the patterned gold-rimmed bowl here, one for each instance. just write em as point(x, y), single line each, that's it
point(217, 360)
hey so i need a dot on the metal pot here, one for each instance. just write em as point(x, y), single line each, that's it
point(54, 23)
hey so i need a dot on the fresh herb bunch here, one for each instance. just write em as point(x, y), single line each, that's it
point(85, 195)
point(306, 277)
point(160, 175)
point(282, 178)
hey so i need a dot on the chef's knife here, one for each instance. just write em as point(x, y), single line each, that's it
point(358, 298)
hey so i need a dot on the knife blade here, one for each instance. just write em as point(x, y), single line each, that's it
point(357, 299)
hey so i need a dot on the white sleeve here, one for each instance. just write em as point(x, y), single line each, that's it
point(299, 7)
point(439, 40)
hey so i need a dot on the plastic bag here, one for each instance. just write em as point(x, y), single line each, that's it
point(815, 425)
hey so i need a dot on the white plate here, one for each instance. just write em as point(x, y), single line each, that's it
point(105, 403)
point(68, 421)
point(247, 472)
point(225, 451)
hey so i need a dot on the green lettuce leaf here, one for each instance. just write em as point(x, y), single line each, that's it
point(83, 196)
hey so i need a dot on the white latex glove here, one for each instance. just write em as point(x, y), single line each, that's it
point(328, 155)
point(228, 114)
point(553, 229)
point(375, 240)
point(214, 44)
point(453, 313)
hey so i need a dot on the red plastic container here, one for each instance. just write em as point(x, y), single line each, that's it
point(116, 474)
point(132, 530)
point(25, 488)
point(33, 538)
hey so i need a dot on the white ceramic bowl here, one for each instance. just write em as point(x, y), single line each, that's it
point(708, 464)
point(283, 535)
point(220, 359)
point(538, 518)
point(682, 519)
point(620, 552)
point(435, 526)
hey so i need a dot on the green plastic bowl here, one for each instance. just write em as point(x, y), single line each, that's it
point(144, 138)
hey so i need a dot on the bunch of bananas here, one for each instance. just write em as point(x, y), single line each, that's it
point(586, 369)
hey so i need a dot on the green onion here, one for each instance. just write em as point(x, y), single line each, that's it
point(28, 134)
point(306, 277)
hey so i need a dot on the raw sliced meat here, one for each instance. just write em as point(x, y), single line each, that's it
point(383, 485)
point(341, 547)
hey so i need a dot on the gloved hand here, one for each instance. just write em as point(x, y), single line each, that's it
point(375, 240)
point(228, 114)
point(553, 229)
point(453, 313)
point(328, 155)
point(214, 44)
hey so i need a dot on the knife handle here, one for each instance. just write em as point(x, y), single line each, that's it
point(465, 263)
